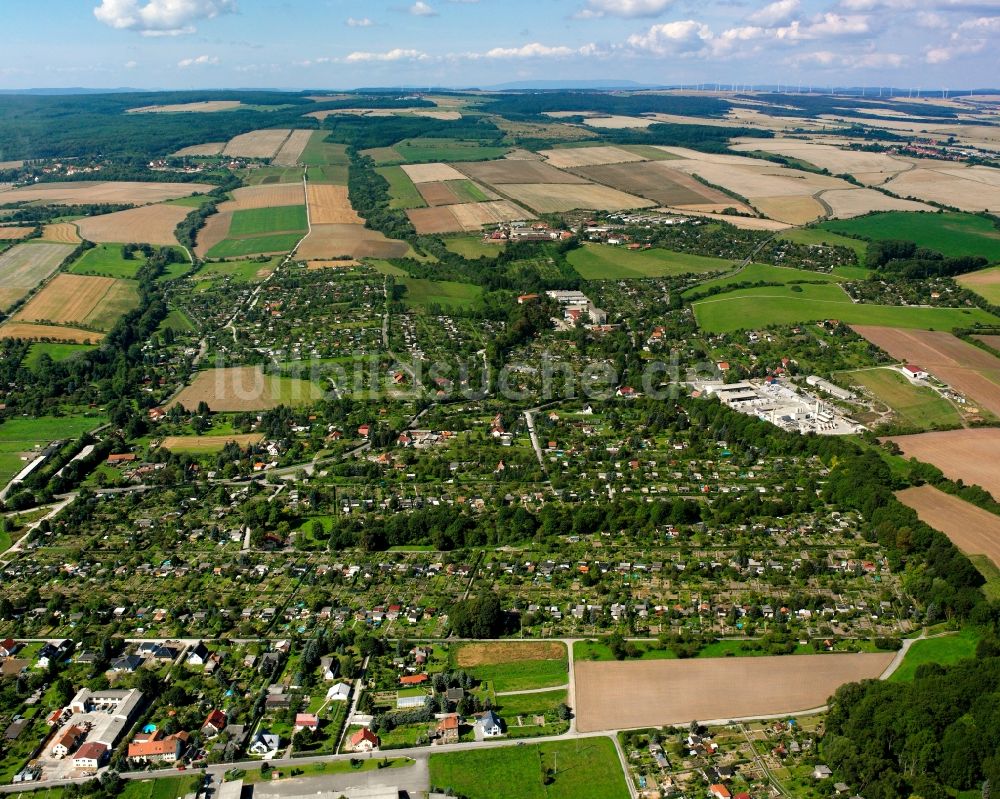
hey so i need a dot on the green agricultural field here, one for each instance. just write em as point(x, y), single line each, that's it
point(178, 321)
point(319, 152)
point(257, 221)
point(945, 650)
point(423, 293)
point(233, 248)
point(473, 247)
point(989, 570)
point(57, 351)
point(404, 194)
point(22, 436)
point(523, 704)
point(852, 272)
point(918, 406)
point(789, 305)
point(766, 273)
point(414, 151)
point(819, 236)
point(383, 155)
point(522, 675)
point(166, 788)
point(267, 175)
point(603, 262)
point(951, 234)
point(985, 282)
point(648, 151)
point(467, 191)
point(584, 769)
point(107, 260)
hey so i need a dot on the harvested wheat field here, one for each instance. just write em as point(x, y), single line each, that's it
point(973, 530)
point(346, 263)
point(61, 233)
point(617, 122)
point(967, 369)
point(429, 173)
point(269, 195)
point(246, 388)
point(878, 167)
point(15, 233)
point(791, 210)
point(465, 217)
point(966, 455)
point(330, 205)
point(352, 241)
point(656, 181)
point(257, 144)
point(152, 224)
point(25, 266)
point(84, 192)
point(490, 654)
point(847, 203)
point(553, 197)
point(743, 222)
point(215, 230)
point(29, 332)
point(655, 693)
point(80, 300)
point(209, 443)
point(204, 107)
point(291, 150)
point(497, 173)
point(968, 188)
point(588, 156)
point(207, 149)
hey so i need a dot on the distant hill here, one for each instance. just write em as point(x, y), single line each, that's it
point(544, 85)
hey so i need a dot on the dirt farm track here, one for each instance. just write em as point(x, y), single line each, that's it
point(653, 693)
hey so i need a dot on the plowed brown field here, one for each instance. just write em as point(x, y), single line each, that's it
point(973, 530)
point(967, 455)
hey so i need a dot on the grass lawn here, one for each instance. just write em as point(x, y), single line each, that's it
point(178, 321)
point(604, 262)
point(333, 767)
point(819, 236)
point(423, 293)
point(529, 704)
point(783, 305)
point(945, 650)
point(523, 675)
point(852, 272)
point(56, 351)
point(584, 769)
point(231, 248)
point(766, 273)
point(107, 260)
point(164, 788)
point(919, 406)
point(427, 150)
point(256, 221)
point(20, 435)
point(952, 234)
point(401, 189)
point(473, 247)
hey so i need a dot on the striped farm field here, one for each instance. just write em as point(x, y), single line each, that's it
point(95, 302)
point(62, 233)
point(257, 144)
point(151, 224)
point(25, 266)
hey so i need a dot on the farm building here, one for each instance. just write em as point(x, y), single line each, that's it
point(914, 372)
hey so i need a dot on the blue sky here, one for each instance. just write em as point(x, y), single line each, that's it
point(346, 43)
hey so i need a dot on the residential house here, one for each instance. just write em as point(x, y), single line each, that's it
point(68, 741)
point(340, 692)
point(364, 740)
point(156, 749)
point(306, 721)
point(8, 648)
point(447, 729)
point(265, 744)
point(127, 663)
point(214, 724)
point(489, 725)
point(198, 655)
point(719, 791)
point(822, 772)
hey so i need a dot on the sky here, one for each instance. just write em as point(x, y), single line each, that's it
point(337, 44)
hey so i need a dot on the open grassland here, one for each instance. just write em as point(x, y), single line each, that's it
point(32, 332)
point(266, 195)
point(918, 406)
point(789, 305)
point(321, 153)
point(240, 271)
point(752, 273)
point(163, 788)
point(571, 157)
point(106, 260)
point(654, 693)
point(83, 192)
point(473, 247)
point(330, 205)
point(966, 368)
point(515, 666)
point(967, 455)
point(945, 650)
point(604, 262)
point(61, 233)
point(207, 444)
point(584, 769)
point(20, 439)
point(402, 190)
point(95, 302)
point(423, 150)
point(291, 151)
point(57, 352)
point(270, 175)
point(973, 530)
point(257, 144)
point(951, 234)
point(820, 237)
point(465, 217)
point(351, 241)
point(425, 293)
point(25, 266)
point(152, 224)
point(492, 653)
point(246, 388)
point(986, 283)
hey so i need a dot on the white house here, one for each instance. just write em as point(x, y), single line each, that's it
point(489, 725)
point(265, 745)
point(340, 692)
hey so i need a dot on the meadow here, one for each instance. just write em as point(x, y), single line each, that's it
point(425, 150)
point(789, 305)
point(945, 650)
point(55, 350)
point(604, 262)
point(240, 271)
point(918, 406)
point(107, 260)
point(765, 273)
point(951, 234)
point(401, 189)
point(233, 248)
point(472, 247)
point(422, 293)
point(821, 237)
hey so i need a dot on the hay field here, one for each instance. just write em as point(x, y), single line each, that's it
point(490, 654)
point(967, 455)
point(204, 107)
point(985, 282)
point(207, 149)
point(291, 150)
point(430, 173)
point(61, 233)
point(268, 195)
point(848, 203)
point(353, 241)
point(84, 192)
point(498, 173)
point(468, 217)
point(209, 443)
point(25, 266)
point(342, 264)
point(330, 205)
point(246, 388)
point(571, 157)
point(15, 233)
point(554, 197)
point(967, 369)
point(654, 693)
point(152, 224)
point(791, 210)
point(969, 188)
point(656, 181)
point(80, 300)
point(31, 332)
point(973, 530)
point(257, 144)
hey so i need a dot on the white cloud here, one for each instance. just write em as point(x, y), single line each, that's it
point(398, 54)
point(421, 9)
point(533, 50)
point(595, 9)
point(826, 26)
point(131, 64)
point(198, 61)
point(776, 12)
point(160, 17)
point(364, 22)
point(672, 38)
